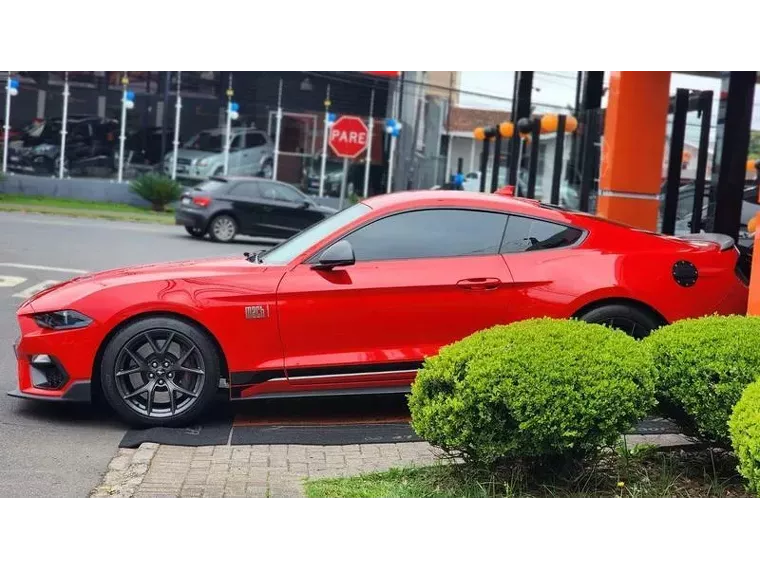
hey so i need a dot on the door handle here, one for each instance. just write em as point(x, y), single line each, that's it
point(482, 283)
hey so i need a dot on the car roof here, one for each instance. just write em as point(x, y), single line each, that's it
point(456, 198)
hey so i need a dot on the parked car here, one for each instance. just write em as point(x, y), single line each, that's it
point(90, 143)
point(225, 207)
point(143, 146)
point(353, 304)
point(334, 176)
point(202, 156)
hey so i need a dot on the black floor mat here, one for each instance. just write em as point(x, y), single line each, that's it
point(324, 434)
point(195, 436)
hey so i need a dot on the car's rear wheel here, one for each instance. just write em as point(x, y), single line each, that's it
point(635, 322)
point(223, 228)
point(195, 231)
point(159, 372)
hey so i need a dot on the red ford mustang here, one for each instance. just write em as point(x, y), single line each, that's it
point(354, 303)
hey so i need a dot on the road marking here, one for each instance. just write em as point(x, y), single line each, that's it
point(6, 281)
point(43, 268)
point(32, 290)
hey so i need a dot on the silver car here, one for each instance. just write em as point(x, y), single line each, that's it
point(251, 154)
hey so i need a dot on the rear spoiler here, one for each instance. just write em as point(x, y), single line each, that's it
point(725, 242)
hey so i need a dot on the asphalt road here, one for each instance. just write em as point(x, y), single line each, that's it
point(63, 450)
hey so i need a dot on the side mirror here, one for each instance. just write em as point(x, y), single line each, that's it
point(304, 205)
point(339, 254)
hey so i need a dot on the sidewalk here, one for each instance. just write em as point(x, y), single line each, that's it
point(263, 471)
point(273, 471)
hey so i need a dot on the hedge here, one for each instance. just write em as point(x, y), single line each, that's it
point(535, 388)
point(744, 428)
point(703, 366)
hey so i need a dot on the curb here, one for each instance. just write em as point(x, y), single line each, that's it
point(125, 472)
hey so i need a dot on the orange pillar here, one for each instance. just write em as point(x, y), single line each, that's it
point(633, 147)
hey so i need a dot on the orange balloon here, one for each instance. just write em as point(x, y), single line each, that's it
point(506, 129)
point(571, 124)
point(549, 123)
point(479, 133)
point(752, 165)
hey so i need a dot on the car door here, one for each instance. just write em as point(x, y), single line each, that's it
point(286, 211)
point(245, 203)
point(236, 164)
point(252, 155)
point(422, 279)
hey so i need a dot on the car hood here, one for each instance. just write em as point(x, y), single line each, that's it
point(64, 294)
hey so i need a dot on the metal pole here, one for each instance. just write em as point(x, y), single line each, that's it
point(675, 161)
point(705, 109)
point(324, 145)
point(496, 158)
point(64, 122)
point(390, 164)
point(368, 162)
point(484, 157)
point(559, 150)
point(228, 134)
point(343, 183)
point(123, 126)
point(177, 110)
point(165, 115)
point(7, 126)
point(277, 133)
point(535, 148)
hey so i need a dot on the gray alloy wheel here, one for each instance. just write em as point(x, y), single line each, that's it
point(223, 228)
point(266, 170)
point(160, 371)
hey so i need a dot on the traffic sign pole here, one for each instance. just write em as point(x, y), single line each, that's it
point(324, 145)
point(368, 162)
point(343, 183)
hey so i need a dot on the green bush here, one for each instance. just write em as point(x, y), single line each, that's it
point(537, 388)
point(703, 365)
point(157, 189)
point(744, 428)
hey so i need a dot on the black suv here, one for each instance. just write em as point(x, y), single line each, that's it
point(90, 143)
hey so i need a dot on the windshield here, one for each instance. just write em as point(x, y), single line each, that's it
point(205, 141)
point(296, 245)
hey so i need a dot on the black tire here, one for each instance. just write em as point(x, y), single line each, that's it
point(196, 232)
point(120, 390)
point(634, 321)
point(223, 228)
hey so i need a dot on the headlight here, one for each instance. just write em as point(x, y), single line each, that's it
point(203, 162)
point(62, 320)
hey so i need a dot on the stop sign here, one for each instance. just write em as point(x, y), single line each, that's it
point(348, 137)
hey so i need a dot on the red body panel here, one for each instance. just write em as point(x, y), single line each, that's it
point(372, 323)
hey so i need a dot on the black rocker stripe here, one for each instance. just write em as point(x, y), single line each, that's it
point(254, 377)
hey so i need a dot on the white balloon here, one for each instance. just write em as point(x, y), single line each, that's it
point(13, 91)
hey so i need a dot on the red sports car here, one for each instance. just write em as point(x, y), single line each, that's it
point(354, 303)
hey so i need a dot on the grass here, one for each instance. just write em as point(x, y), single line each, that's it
point(641, 472)
point(82, 208)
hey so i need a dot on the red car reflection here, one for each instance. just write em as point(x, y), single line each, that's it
point(354, 303)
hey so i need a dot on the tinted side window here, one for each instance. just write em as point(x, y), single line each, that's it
point(254, 139)
point(526, 234)
point(428, 234)
point(280, 192)
point(246, 190)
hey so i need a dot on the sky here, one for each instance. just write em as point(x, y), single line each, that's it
point(557, 89)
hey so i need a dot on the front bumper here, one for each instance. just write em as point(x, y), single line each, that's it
point(70, 355)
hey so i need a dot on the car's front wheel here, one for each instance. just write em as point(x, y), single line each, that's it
point(223, 228)
point(160, 371)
